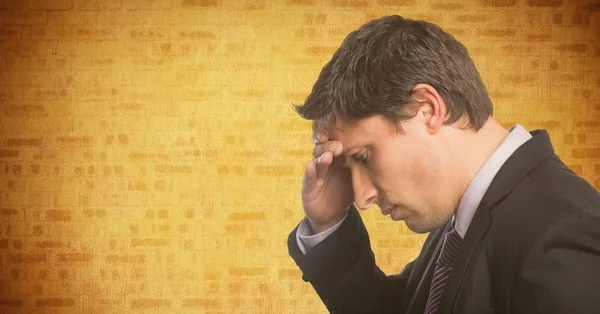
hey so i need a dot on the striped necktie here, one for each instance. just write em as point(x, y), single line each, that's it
point(443, 266)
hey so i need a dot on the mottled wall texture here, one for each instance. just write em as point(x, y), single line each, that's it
point(151, 162)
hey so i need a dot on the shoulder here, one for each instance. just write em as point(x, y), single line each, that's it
point(550, 199)
point(547, 194)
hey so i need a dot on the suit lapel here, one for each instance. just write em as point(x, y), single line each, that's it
point(422, 279)
point(522, 161)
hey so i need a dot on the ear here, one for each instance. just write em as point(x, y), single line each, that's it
point(431, 105)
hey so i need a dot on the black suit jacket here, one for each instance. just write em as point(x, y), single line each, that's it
point(533, 246)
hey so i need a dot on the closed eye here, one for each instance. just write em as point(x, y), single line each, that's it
point(361, 158)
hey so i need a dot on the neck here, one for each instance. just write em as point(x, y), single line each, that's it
point(476, 148)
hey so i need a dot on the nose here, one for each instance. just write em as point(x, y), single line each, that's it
point(365, 193)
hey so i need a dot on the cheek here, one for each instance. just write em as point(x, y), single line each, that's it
point(400, 174)
point(391, 174)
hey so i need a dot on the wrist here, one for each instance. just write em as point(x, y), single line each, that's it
point(318, 227)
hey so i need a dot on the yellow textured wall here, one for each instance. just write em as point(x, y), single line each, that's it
point(150, 159)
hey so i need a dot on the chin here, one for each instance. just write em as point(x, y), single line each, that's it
point(419, 227)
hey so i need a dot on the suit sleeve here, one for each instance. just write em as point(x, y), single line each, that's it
point(342, 271)
point(561, 273)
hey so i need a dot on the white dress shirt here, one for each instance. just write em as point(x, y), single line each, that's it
point(468, 203)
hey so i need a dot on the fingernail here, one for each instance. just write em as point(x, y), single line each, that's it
point(332, 147)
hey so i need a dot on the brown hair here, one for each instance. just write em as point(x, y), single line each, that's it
point(376, 67)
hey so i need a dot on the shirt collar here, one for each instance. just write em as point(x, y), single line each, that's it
point(482, 180)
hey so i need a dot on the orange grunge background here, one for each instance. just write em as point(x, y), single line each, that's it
point(151, 162)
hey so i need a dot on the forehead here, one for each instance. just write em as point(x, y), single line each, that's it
point(355, 133)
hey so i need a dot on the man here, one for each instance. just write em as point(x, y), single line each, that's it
point(403, 120)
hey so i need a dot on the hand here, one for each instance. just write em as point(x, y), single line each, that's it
point(326, 186)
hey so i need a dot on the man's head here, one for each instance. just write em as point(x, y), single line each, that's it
point(378, 65)
point(401, 93)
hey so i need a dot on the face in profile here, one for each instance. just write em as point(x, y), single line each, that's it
point(407, 174)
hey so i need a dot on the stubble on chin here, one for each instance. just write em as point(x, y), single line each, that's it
point(423, 225)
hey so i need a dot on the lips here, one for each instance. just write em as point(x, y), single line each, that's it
point(388, 210)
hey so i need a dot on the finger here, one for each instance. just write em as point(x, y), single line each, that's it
point(334, 147)
point(323, 163)
point(310, 175)
point(320, 137)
